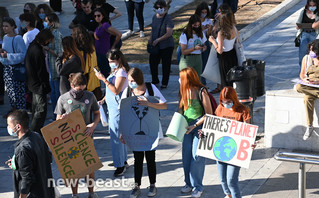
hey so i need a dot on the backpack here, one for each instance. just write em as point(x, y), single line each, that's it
point(148, 87)
point(211, 98)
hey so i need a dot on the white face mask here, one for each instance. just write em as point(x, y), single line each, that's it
point(228, 105)
point(160, 11)
point(133, 85)
point(10, 131)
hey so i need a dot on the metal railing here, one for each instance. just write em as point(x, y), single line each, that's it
point(303, 159)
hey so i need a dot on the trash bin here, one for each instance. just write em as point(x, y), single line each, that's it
point(260, 79)
point(250, 104)
point(243, 78)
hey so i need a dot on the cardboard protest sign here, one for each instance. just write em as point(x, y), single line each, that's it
point(139, 125)
point(74, 153)
point(227, 140)
point(177, 127)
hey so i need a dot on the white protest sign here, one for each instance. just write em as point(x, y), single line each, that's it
point(227, 140)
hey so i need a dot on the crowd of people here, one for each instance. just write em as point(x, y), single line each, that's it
point(74, 70)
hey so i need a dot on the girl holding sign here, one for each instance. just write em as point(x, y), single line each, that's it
point(230, 107)
point(193, 165)
point(140, 89)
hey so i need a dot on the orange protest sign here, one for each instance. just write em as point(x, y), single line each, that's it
point(74, 153)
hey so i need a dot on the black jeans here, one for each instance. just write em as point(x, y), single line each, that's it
point(138, 166)
point(56, 5)
point(166, 56)
point(139, 8)
point(39, 111)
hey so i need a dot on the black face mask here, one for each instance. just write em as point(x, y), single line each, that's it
point(26, 11)
point(196, 29)
point(76, 94)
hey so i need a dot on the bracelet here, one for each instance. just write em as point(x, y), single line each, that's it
point(195, 125)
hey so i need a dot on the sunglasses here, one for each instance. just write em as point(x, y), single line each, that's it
point(98, 15)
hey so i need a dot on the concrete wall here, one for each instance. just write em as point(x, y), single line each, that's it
point(285, 121)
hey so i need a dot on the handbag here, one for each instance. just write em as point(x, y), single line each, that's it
point(211, 71)
point(297, 41)
point(313, 72)
point(239, 50)
point(155, 49)
point(18, 70)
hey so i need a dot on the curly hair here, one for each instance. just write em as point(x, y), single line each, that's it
point(83, 39)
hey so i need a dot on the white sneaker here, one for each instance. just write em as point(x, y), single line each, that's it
point(308, 132)
point(142, 34)
point(186, 189)
point(197, 193)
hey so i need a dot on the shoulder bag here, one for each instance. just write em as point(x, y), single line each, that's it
point(18, 70)
point(155, 49)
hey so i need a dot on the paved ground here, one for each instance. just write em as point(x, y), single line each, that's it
point(265, 178)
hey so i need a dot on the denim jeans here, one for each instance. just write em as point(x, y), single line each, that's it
point(194, 166)
point(139, 8)
point(305, 38)
point(55, 94)
point(39, 111)
point(228, 175)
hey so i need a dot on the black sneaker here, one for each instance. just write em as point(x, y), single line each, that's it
point(135, 192)
point(152, 191)
point(126, 164)
point(119, 171)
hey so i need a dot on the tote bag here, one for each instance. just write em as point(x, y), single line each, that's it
point(211, 71)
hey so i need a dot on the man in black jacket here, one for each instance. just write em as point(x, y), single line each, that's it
point(31, 162)
point(38, 78)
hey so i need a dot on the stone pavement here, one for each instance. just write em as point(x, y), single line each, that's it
point(265, 178)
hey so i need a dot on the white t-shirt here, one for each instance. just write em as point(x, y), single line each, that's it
point(29, 36)
point(205, 22)
point(157, 94)
point(120, 73)
point(192, 42)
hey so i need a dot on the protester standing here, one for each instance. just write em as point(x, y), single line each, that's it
point(71, 61)
point(309, 15)
point(224, 45)
point(192, 42)
point(161, 37)
point(79, 98)
point(27, 21)
point(139, 88)
point(229, 107)
point(85, 43)
point(85, 18)
point(115, 83)
point(102, 37)
point(38, 78)
point(31, 162)
point(54, 48)
point(193, 110)
point(138, 7)
point(12, 52)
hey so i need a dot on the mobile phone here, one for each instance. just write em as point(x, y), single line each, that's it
point(95, 69)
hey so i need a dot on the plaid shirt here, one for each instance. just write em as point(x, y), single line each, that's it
point(56, 46)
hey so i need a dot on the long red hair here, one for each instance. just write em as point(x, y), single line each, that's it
point(189, 79)
point(229, 93)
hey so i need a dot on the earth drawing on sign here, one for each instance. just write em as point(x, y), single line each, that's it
point(225, 148)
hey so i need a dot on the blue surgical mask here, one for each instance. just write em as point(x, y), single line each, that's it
point(46, 25)
point(113, 65)
point(313, 8)
point(228, 105)
point(312, 54)
point(10, 131)
point(160, 11)
point(203, 15)
point(23, 24)
point(133, 85)
point(42, 16)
